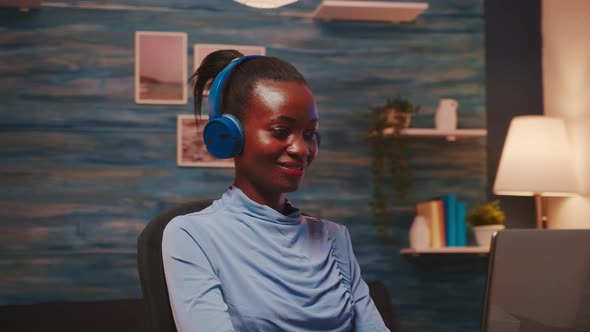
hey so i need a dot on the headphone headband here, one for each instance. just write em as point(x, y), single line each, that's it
point(218, 83)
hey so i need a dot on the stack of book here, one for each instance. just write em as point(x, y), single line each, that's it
point(446, 219)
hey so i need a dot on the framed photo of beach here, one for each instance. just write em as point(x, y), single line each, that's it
point(161, 67)
point(190, 147)
point(200, 51)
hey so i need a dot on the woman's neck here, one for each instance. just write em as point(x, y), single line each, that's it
point(275, 201)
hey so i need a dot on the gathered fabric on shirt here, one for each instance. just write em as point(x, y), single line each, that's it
point(242, 266)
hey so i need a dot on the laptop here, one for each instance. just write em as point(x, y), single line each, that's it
point(538, 281)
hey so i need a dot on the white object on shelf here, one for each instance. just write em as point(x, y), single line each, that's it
point(445, 117)
point(446, 250)
point(419, 234)
point(396, 12)
point(450, 135)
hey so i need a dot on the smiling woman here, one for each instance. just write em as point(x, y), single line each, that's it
point(252, 261)
point(281, 141)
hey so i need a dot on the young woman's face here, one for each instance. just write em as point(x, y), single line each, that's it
point(280, 126)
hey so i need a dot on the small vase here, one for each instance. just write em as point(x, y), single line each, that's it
point(446, 115)
point(419, 234)
point(393, 117)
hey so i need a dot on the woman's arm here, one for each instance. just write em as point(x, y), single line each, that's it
point(194, 289)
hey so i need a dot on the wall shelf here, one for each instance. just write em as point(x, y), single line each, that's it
point(384, 11)
point(446, 250)
point(449, 135)
point(23, 5)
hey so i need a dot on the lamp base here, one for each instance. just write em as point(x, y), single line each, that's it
point(539, 215)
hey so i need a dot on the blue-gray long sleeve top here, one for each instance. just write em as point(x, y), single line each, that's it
point(241, 266)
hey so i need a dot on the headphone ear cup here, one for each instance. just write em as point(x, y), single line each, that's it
point(224, 136)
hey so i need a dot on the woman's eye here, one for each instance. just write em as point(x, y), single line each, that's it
point(309, 135)
point(280, 133)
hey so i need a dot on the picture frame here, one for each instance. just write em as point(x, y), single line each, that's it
point(190, 147)
point(161, 67)
point(200, 51)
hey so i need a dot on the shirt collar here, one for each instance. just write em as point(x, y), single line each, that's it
point(235, 200)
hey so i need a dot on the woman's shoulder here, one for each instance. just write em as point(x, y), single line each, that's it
point(201, 218)
point(336, 230)
point(194, 227)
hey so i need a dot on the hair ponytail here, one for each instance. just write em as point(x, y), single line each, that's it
point(212, 65)
point(236, 96)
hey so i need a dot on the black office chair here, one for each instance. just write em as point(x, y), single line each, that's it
point(380, 296)
point(151, 268)
point(153, 281)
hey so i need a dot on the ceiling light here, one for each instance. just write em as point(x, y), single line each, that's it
point(265, 3)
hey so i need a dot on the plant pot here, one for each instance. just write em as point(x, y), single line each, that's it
point(483, 234)
point(393, 117)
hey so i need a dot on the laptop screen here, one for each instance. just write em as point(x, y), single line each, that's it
point(538, 281)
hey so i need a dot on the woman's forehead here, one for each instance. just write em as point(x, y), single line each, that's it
point(282, 100)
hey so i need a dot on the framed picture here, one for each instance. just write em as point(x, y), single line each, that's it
point(190, 148)
point(200, 51)
point(160, 67)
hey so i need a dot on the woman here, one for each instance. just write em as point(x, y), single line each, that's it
point(251, 261)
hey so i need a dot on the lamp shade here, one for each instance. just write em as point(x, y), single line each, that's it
point(536, 159)
point(265, 3)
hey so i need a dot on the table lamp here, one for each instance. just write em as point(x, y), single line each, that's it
point(536, 161)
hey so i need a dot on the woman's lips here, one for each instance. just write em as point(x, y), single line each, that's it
point(296, 169)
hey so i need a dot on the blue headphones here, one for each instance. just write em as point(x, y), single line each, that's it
point(223, 133)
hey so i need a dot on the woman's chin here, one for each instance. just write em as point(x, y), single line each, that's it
point(291, 187)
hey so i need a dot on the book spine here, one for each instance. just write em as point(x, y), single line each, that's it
point(433, 212)
point(450, 207)
point(461, 224)
point(441, 222)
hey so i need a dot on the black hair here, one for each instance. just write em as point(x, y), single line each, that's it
point(238, 86)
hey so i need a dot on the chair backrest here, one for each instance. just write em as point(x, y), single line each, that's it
point(151, 268)
point(153, 280)
point(380, 296)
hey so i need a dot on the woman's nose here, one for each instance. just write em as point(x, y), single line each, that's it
point(299, 146)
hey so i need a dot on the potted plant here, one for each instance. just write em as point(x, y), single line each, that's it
point(486, 219)
point(389, 164)
point(388, 146)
